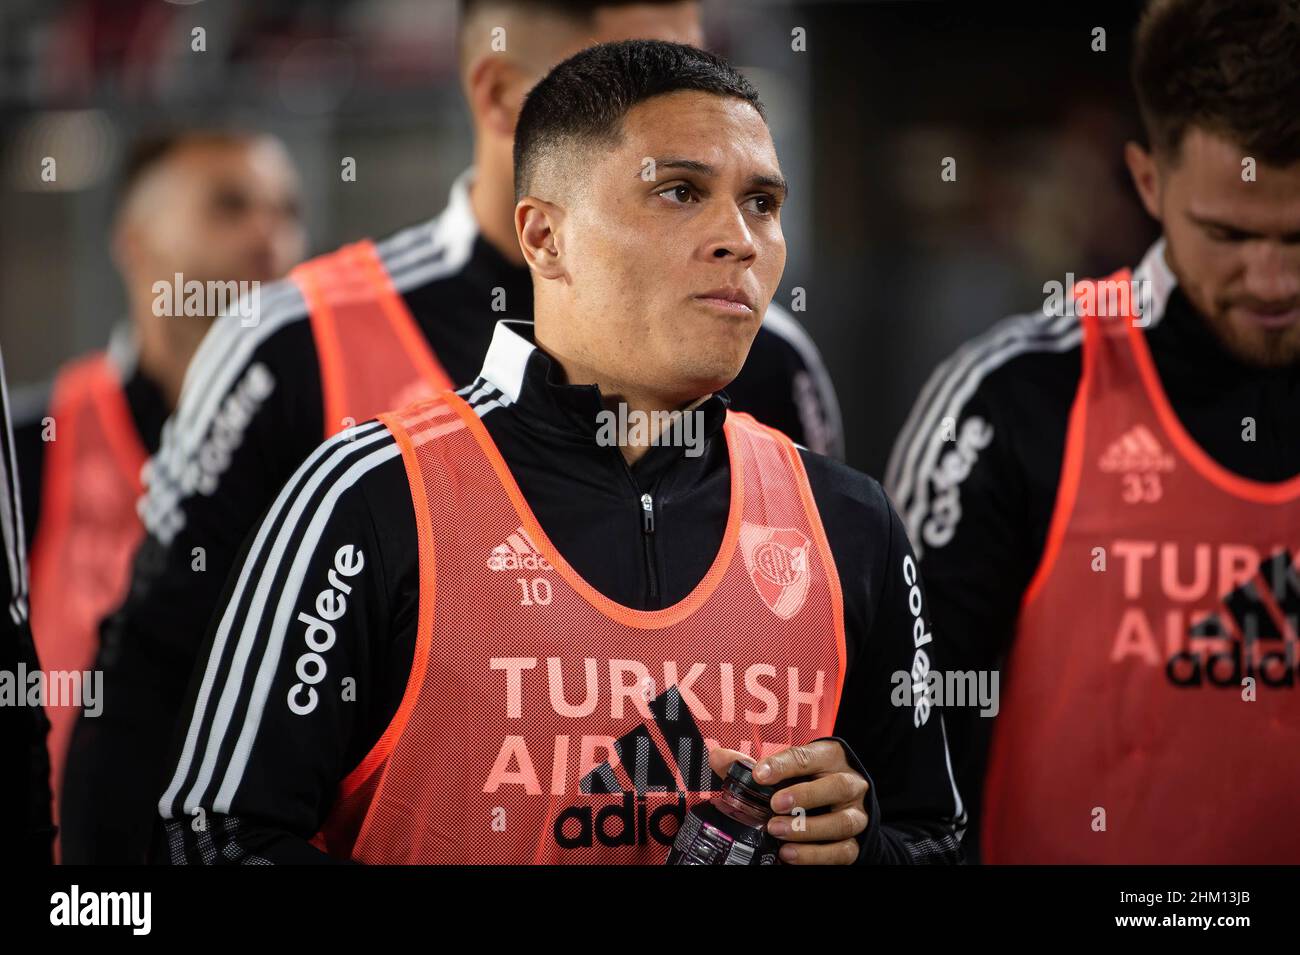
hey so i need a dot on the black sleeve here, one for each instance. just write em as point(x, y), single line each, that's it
point(26, 762)
point(249, 413)
point(30, 406)
point(896, 739)
point(303, 667)
point(974, 477)
point(785, 385)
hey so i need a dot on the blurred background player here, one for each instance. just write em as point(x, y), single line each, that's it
point(205, 205)
point(365, 329)
point(1112, 503)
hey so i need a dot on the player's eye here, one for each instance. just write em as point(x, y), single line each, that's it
point(230, 203)
point(680, 193)
point(1221, 234)
point(763, 204)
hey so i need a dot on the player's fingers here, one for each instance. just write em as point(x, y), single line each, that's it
point(720, 760)
point(845, 822)
point(844, 852)
point(807, 759)
point(833, 789)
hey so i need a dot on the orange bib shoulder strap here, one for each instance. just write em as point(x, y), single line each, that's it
point(1107, 310)
point(373, 356)
point(87, 384)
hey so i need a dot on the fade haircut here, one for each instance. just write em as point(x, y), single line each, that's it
point(582, 102)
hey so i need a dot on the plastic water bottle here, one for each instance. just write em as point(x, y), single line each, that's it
point(731, 828)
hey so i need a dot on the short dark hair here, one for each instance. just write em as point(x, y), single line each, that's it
point(1231, 67)
point(584, 99)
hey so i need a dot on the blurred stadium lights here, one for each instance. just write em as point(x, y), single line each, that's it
point(84, 141)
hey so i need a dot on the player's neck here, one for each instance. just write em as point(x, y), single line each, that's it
point(634, 415)
point(163, 357)
point(492, 199)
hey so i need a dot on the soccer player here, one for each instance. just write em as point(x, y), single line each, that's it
point(1109, 496)
point(197, 209)
point(368, 328)
point(489, 628)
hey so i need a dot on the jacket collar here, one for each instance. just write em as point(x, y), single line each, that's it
point(529, 379)
point(1154, 269)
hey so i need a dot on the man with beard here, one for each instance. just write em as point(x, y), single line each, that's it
point(1107, 495)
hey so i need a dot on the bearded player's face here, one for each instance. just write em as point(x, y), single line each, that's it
point(1234, 244)
point(676, 246)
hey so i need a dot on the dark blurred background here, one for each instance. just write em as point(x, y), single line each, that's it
point(898, 266)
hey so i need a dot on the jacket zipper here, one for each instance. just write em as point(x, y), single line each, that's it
point(647, 538)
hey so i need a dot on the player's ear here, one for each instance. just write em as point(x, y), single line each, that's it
point(495, 89)
point(537, 225)
point(1146, 177)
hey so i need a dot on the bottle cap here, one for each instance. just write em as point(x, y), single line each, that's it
point(744, 775)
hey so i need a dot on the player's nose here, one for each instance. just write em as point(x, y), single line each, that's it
point(1272, 273)
point(729, 235)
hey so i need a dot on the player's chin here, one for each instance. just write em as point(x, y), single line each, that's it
point(1261, 346)
point(710, 370)
point(712, 346)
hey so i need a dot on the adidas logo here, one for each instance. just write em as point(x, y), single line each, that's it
point(642, 768)
point(1255, 617)
point(1136, 450)
point(517, 553)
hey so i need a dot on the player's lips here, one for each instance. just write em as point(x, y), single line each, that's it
point(1270, 317)
point(729, 299)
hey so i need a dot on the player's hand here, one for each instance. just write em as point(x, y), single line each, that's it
point(829, 839)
